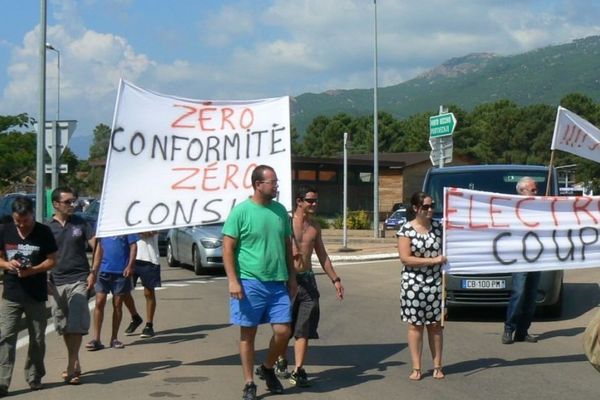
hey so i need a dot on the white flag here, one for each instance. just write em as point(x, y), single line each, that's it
point(575, 135)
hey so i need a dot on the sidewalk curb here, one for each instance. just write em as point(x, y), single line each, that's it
point(363, 257)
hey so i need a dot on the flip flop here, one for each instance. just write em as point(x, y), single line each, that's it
point(415, 375)
point(94, 345)
point(438, 373)
point(116, 344)
point(73, 380)
point(65, 375)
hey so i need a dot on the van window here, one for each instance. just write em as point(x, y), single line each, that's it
point(484, 180)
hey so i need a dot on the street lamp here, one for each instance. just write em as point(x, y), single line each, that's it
point(375, 136)
point(50, 47)
point(55, 133)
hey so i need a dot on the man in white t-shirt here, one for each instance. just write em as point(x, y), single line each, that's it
point(147, 269)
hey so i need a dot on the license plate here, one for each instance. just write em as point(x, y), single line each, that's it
point(483, 284)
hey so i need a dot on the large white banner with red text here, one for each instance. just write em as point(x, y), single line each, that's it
point(490, 232)
point(177, 162)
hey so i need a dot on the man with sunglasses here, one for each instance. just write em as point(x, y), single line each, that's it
point(521, 306)
point(306, 239)
point(72, 279)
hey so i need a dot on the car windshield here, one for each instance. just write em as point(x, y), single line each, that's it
point(398, 214)
point(484, 180)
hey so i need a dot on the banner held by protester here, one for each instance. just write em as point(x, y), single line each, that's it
point(499, 233)
point(178, 162)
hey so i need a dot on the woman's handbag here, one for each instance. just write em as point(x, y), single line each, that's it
point(591, 341)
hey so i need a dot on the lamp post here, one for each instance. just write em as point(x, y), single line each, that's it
point(55, 130)
point(50, 47)
point(375, 137)
point(39, 179)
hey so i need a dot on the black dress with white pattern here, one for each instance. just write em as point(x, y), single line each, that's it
point(421, 291)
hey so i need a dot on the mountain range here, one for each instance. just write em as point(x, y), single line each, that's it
point(544, 75)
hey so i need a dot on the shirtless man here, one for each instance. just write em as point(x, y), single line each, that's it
point(305, 310)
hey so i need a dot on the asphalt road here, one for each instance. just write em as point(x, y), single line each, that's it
point(362, 353)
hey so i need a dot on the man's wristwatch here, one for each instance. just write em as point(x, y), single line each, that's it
point(336, 280)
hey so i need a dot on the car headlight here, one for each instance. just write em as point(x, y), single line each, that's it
point(211, 243)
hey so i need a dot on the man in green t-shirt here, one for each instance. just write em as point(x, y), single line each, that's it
point(258, 262)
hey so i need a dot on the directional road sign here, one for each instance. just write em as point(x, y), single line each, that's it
point(441, 125)
point(63, 168)
point(441, 150)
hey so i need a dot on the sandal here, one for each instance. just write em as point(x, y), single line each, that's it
point(415, 375)
point(73, 380)
point(116, 344)
point(438, 373)
point(94, 345)
point(65, 374)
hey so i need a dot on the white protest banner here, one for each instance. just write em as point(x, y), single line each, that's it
point(178, 162)
point(494, 233)
point(575, 135)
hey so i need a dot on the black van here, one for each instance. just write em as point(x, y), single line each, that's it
point(501, 178)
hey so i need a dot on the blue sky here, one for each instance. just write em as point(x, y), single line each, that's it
point(249, 49)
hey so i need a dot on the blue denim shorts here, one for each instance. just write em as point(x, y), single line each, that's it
point(263, 302)
point(113, 283)
point(148, 273)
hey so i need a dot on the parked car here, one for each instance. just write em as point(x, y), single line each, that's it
point(200, 246)
point(6, 204)
point(91, 213)
point(396, 220)
point(498, 179)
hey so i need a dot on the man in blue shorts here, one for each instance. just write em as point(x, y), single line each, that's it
point(113, 269)
point(147, 270)
point(258, 262)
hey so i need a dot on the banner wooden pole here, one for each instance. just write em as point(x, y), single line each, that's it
point(443, 298)
point(549, 182)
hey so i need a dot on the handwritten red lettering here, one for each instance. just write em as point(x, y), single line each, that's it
point(518, 213)
point(497, 211)
point(231, 171)
point(208, 170)
point(577, 208)
point(177, 185)
point(449, 210)
point(471, 224)
point(191, 111)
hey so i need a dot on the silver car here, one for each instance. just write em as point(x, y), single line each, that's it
point(200, 246)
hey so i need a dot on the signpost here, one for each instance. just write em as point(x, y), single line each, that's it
point(57, 135)
point(441, 128)
point(441, 125)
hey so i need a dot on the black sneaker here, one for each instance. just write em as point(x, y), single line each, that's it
point(147, 332)
point(526, 338)
point(281, 370)
point(299, 378)
point(133, 325)
point(507, 337)
point(259, 373)
point(273, 384)
point(249, 392)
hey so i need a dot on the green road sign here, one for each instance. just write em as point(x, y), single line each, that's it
point(441, 125)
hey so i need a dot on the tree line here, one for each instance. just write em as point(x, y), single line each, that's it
point(497, 132)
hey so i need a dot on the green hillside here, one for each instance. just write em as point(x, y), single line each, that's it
point(540, 76)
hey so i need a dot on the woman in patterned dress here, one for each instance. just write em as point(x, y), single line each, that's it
point(420, 249)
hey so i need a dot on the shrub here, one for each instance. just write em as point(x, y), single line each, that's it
point(356, 220)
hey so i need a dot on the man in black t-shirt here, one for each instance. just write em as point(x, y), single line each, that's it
point(27, 251)
point(71, 279)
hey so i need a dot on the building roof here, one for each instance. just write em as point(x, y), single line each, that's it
point(390, 160)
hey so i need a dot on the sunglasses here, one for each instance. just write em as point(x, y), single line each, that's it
point(427, 207)
point(311, 201)
point(68, 202)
